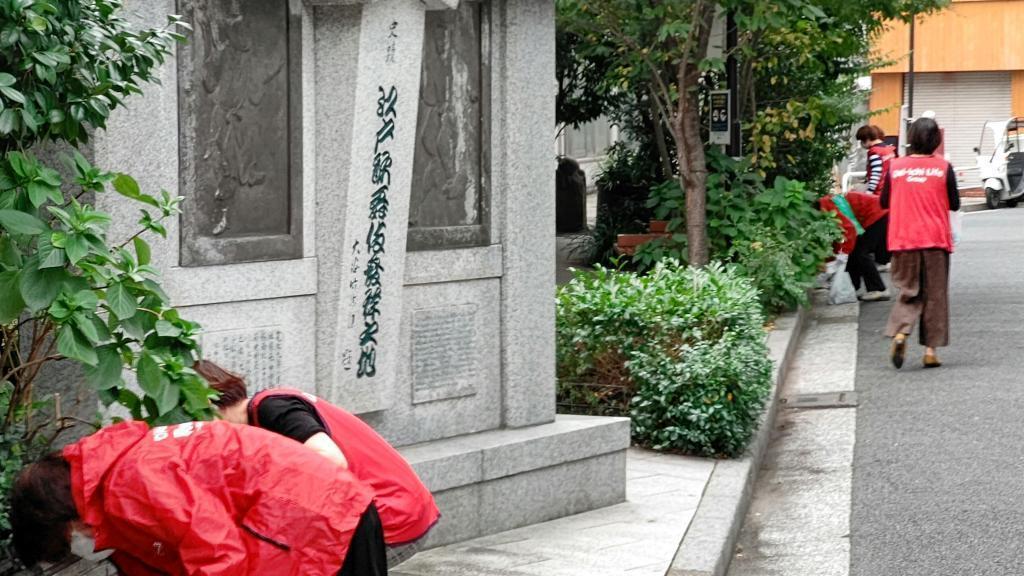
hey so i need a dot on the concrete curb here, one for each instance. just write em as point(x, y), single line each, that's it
point(707, 546)
point(967, 208)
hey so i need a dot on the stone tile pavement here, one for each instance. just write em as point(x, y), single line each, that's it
point(636, 538)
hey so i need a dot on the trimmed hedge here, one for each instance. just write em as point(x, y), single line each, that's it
point(682, 349)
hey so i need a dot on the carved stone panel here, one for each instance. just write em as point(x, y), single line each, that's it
point(256, 353)
point(450, 200)
point(240, 132)
point(444, 353)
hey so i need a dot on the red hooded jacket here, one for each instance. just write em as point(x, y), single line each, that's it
point(213, 499)
point(866, 207)
point(406, 507)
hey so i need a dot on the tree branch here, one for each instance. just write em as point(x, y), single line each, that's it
point(38, 362)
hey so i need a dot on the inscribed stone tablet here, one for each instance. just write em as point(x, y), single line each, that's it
point(253, 353)
point(444, 353)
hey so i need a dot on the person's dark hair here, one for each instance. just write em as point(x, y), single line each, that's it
point(924, 136)
point(42, 510)
point(230, 386)
point(879, 133)
point(867, 134)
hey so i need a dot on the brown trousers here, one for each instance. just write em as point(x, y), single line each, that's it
point(923, 279)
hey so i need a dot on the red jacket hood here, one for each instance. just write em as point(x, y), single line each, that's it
point(104, 449)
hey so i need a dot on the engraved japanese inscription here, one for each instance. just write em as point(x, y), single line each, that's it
point(239, 91)
point(255, 353)
point(444, 353)
point(449, 202)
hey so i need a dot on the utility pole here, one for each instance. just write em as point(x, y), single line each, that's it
point(733, 80)
point(910, 73)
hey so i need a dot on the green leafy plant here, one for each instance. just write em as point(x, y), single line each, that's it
point(685, 346)
point(773, 234)
point(68, 291)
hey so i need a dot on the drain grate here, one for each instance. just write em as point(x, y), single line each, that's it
point(818, 401)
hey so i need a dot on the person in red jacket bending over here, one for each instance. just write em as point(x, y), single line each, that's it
point(919, 191)
point(874, 220)
point(880, 156)
point(406, 506)
point(197, 499)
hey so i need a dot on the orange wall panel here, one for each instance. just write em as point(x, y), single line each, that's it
point(1017, 92)
point(887, 95)
point(982, 35)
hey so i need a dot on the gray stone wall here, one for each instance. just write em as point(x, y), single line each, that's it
point(485, 308)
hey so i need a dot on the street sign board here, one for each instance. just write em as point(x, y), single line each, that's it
point(719, 121)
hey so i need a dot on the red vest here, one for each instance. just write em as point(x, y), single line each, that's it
point(406, 507)
point(919, 204)
point(213, 498)
point(887, 154)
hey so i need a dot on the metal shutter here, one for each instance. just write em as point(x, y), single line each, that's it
point(963, 102)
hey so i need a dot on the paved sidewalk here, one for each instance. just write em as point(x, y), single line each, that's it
point(799, 521)
point(636, 538)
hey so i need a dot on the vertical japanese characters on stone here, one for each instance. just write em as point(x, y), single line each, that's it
point(376, 236)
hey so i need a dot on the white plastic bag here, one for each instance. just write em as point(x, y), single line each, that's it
point(956, 225)
point(842, 290)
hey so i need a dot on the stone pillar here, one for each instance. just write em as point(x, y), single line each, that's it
point(361, 336)
point(528, 213)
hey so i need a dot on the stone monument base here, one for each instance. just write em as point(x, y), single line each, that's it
point(503, 479)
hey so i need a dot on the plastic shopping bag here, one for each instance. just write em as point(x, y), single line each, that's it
point(956, 225)
point(842, 290)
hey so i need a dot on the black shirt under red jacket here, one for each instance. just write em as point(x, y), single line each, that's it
point(406, 507)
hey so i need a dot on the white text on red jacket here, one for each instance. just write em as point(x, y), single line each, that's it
point(919, 174)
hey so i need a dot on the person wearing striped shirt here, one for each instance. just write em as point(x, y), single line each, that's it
point(879, 156)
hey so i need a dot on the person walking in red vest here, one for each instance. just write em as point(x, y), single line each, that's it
point(920, 191)
point(407, 509)
point(880, 156)
point(198, 498)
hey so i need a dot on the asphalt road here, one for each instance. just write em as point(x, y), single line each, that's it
point(938, 470)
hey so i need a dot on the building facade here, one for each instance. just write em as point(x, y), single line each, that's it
point(968, 69)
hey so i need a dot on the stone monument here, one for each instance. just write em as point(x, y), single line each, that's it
point(370, 216)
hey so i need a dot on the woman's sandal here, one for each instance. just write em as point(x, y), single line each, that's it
point(931, 361)
point(899, 350)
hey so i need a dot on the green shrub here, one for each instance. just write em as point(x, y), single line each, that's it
point(687, 345)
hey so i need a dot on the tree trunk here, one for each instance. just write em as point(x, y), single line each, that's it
point(693, 175)
point(693, 170)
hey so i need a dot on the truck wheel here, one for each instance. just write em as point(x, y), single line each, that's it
point(1012, 203)
point(992, 198)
